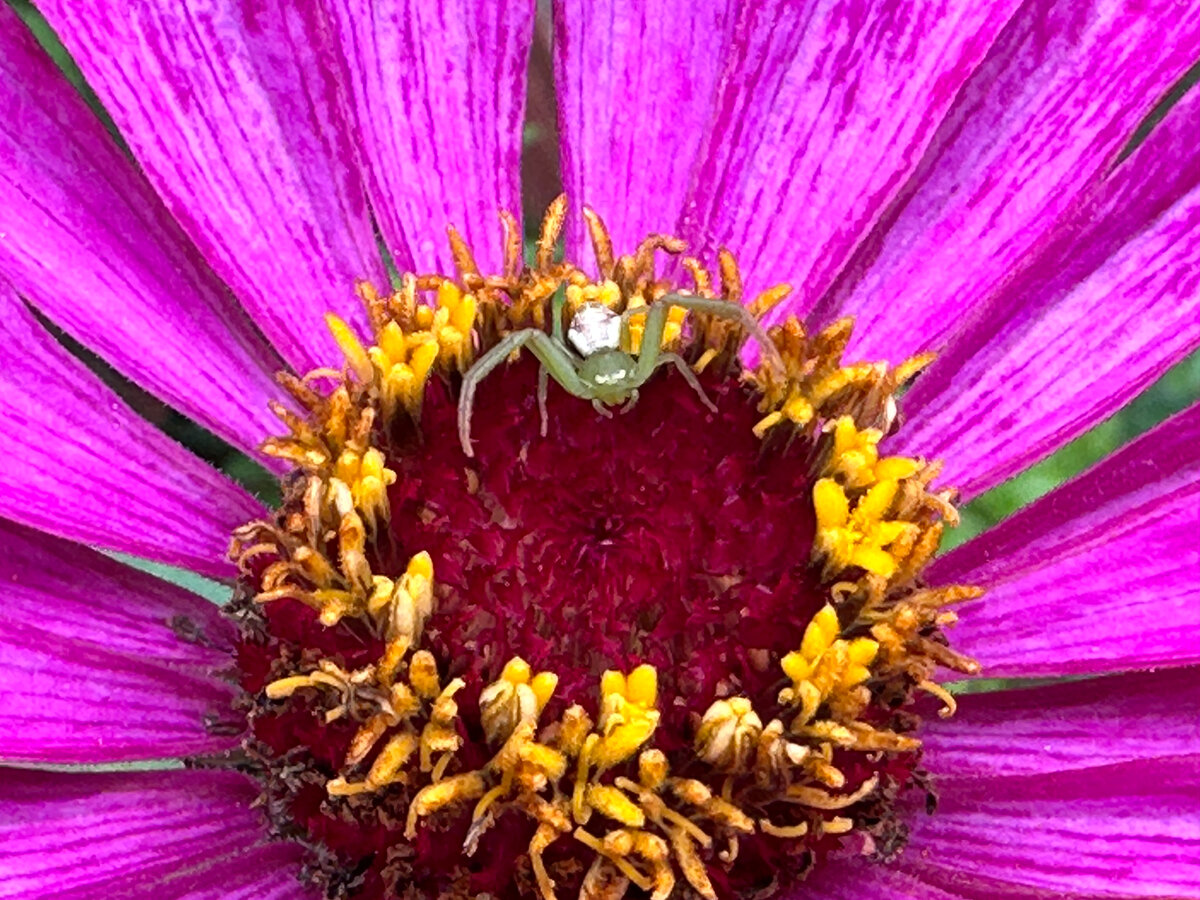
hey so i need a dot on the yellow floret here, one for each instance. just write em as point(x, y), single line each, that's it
point(858, 537)
point(855, 457)
point(672, 330)
point(516, 696)
point(825, 663)
point(368, 479)
point(400, 362)
point(795, 409)
point(627, 714)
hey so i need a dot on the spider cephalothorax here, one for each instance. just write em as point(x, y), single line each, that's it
point(591, 363)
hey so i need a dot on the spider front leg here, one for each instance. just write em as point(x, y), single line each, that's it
point(556, 359)
point(723, 309)
point(557, 302)
point(651, 354)
point(652, 334)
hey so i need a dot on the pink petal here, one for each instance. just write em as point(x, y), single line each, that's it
point(635, 83)
point(86, 704)
point(858, 879)
point(975, 887)
point(1048, 375)
point(1127, 830)
point(233, 109)
point(82, 466)
point(266, 872)
point(823, 110)
point(1070, 725)
point(83, 835)
point(86, 239)
point(439, 101)
point(107, 663)
point(1030, 136)
point(1156, 176)
point(1100, 575)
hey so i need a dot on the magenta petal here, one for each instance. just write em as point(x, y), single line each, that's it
point(107, 663)
point(83, 466)
point(822, 112)
point(635, 82)
point(439, 101)
point(87, 597)
point(1031, 134)
point(1046, 378)
point(266, 872)
point(86, 239)
point(1155, 177)
point(112, 835)
point(1127, 830)
point(86, 704)
point(1100, 575)
point(1070, 725)
point(861, 879)
point(975, 887)
point(233, 108)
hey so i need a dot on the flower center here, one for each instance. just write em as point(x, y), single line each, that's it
point(565, 600)
point(663, 535)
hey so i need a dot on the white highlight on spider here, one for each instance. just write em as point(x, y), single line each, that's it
point(613, 377)
point(594, 327)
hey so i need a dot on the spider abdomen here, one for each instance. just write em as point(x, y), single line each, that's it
point(594, 328)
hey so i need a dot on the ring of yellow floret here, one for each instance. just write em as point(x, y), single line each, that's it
point(878, 523)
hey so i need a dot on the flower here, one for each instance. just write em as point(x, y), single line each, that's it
point(954, 177)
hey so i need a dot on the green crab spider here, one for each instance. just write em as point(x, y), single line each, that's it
point(596, 368)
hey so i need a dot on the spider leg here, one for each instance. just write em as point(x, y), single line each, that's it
point(688, 375)
point(725, 310)
point(599, 407)
point(557, 302)
point(543, 386)
point(559, 363)
point(631, 402)
point(648, 355)
point(482, 368)
point(553, 356)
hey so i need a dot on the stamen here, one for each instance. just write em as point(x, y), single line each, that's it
point(552, 226)
point(820, 800)
point(837, 825)
point(602, 244)
point(788, 832)
point(949, 704)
